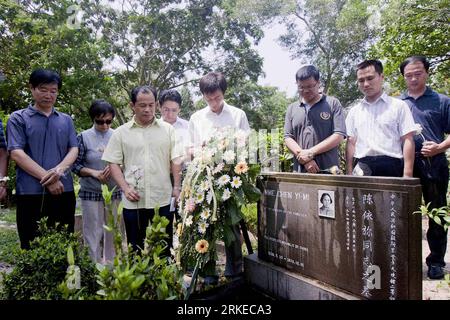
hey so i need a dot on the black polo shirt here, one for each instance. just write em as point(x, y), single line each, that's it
point(309, 128)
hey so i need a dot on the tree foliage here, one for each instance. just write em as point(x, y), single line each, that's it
point(265, 106)
point(103, 49)
point(415, 27)
point(36, 34)
point(332, 34)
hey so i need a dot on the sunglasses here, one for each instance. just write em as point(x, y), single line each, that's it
point(102, 122)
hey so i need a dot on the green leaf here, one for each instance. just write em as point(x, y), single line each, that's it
point(254, 171)
point(228, 235)
point(233, 212)
point(252, 193)
point(70, 258)
point(437, 220)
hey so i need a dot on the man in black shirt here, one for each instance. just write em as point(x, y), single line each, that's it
point(314, 126)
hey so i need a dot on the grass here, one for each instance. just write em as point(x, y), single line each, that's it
point(8, 215)
point(251, 217)
point(9, 242)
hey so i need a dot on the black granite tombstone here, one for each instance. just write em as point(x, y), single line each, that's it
point(357, 234)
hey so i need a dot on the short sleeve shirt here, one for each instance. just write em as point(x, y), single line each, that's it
point(145, 154)
point(432, 112)
point(310, 127)
point(45, 139)
point(204, 122)
point(379, 126)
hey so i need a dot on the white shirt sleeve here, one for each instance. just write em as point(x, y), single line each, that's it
point(243, 125)
point(349, 124)
point(407, 123)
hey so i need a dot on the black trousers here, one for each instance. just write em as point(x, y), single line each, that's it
point(58, 208)
point(434, 175)
point(383, 166)
point(136, 223)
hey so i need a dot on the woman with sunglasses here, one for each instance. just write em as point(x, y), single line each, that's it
point(93, 173)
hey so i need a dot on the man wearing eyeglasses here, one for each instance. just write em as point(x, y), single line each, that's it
point(380, 129)
point(314, 126)
point(43, 143)
point(432, 111)
point(170, 103)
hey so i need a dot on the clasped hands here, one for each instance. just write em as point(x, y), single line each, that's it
point(51, 180)
point(430, 149)
point(305, 157)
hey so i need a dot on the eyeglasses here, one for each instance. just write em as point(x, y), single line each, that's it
point(102, 122)
point(52, 92)
point(166, 110)
point(300, 88)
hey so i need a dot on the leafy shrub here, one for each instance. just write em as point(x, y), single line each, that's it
point(39, 271)
point(145, 275)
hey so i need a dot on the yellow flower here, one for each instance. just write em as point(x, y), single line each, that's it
point(241, 167)
point(179, 229)
point(202, 246)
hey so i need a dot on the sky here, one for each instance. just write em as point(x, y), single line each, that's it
point(278, 66)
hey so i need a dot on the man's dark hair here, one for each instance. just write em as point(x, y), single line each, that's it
point(44, 76)
point(413, 59)
point(169, 95)
point(306, 72)
point(324, 195)
point(99, 108)
point(212, 82)
point(142, 89)
point(367, 63)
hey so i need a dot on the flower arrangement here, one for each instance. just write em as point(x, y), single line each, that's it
point(218, 182)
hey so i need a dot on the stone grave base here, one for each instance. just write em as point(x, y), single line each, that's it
point(283, 284)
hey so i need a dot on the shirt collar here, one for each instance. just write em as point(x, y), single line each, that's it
point(384, 97)
point(133, 123)
point(305, 104)
point(33, 111)
point(179, 122)
point(428, 92)
point(225, 108)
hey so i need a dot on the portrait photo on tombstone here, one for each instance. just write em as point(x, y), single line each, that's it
point(326, 203)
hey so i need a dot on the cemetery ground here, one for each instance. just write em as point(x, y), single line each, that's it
point(432, 289)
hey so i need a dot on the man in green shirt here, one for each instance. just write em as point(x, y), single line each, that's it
point(142, 154)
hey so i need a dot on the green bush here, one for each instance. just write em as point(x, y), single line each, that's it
point(39, 271)
point(144, 275)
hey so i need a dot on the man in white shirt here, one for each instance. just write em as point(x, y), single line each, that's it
point(380, 129)
point(170, 103)
point(202, 124)
point(217, 114)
